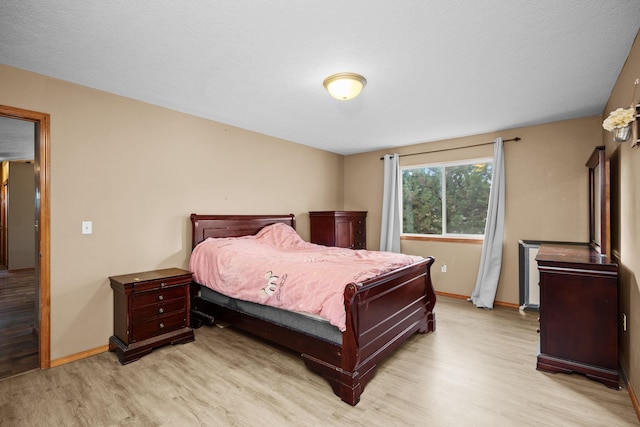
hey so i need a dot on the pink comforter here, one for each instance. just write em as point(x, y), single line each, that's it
point(276, 267)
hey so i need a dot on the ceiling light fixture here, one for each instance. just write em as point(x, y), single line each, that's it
point(344, 86)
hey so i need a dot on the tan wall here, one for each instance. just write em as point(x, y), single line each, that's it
point(137, 171)
point(628, 233)
point(546, 196)
point(21, 214)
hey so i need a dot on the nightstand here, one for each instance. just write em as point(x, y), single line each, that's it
point(150, 309)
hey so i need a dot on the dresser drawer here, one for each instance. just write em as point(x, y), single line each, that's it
point(140, 299)
point(157, 326)
point(163, 308)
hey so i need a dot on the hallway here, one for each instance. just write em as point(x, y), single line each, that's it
point(18, 338)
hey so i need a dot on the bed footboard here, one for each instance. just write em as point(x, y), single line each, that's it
point(382, 313)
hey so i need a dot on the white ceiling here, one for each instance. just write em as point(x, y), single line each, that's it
point(435, 69)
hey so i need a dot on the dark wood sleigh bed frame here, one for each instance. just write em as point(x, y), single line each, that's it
point(381, 313)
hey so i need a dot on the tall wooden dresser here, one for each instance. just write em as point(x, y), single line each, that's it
point(344, 229)
point(578, 312)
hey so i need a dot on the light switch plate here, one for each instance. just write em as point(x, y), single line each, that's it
point(87, 227)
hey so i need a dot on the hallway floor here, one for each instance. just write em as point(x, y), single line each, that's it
point(18, 337)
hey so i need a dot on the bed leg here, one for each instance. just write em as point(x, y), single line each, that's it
point(431, 322)
point(348, 393)
point(346, 385)
point(428, 323)
point(197, 315)
point(431, 303)
point(198, 318)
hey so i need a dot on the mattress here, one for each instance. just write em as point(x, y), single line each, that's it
point(301, 322)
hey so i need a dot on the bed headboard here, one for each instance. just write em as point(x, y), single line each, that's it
point(204, 226)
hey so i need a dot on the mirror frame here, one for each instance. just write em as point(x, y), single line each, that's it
point(599, 238)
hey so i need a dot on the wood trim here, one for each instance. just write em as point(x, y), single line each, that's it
point(447, 294)
point(43, 168)
point(78, 356)
point(478, 241)
point(506, 304)
point(458, 296)
point(634, 399)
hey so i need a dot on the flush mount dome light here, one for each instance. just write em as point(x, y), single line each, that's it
point(344, 86)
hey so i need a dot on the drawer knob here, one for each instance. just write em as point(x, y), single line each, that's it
point(161, 325)
point(160, 297)
point(161, 310)
point(162, 285)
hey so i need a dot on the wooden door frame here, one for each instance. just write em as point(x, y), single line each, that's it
point(3, 223)
point(42, 170)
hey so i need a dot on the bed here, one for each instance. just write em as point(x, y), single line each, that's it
point(381, 312)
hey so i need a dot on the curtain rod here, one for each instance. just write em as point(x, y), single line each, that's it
point(517, 138)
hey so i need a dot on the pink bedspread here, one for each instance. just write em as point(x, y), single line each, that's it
point(276, 267)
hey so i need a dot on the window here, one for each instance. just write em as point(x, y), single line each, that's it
point(446, 199)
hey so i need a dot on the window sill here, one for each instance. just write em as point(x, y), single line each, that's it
point(447, 239)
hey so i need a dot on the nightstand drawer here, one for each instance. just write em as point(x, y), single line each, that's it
point(140, 299)
point(161, 309)
point(152, 285)
point(157, 326)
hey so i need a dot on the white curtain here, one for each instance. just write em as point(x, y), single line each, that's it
point(390, 230)
point(484, 293)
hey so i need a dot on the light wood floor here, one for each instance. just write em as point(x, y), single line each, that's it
point(477, 369)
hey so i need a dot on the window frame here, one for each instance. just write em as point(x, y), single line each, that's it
point(469, 238)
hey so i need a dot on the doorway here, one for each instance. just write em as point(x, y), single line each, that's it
point(41, 270)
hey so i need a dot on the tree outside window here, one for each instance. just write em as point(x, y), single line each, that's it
point(449, 199)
